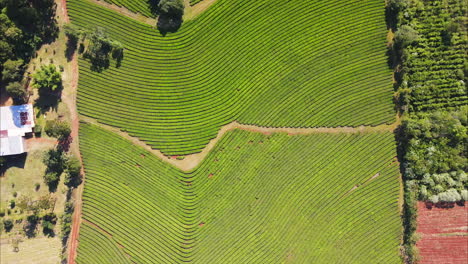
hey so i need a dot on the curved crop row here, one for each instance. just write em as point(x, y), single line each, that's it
point(143, 7)
point(268, 63)
point(256, 199)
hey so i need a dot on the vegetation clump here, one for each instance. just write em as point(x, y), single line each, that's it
point(58, 129)
point(47, 79)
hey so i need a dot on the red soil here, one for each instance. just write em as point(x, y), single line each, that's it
point(210, 176)
point(444, 234)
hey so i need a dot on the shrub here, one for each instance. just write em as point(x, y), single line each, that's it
point(73, 170)
point(12, 204)
point(48, 223)
point(58, 129)
point(38, 130)
point(405, 36)
point(8, 224)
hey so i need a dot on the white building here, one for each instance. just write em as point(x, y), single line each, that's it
point(15, 122)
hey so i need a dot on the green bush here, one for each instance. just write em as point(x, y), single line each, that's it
point(58, 129)
point(47, 79)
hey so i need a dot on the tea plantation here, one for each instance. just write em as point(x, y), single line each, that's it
point(268, 63)
point(322, 198)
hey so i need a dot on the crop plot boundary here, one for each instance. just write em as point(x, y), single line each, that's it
point(190, 13)
point(190, 162)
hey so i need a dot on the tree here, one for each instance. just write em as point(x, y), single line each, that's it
point(405, 36)
point(17, 91)
point(51, 178)
point(12, 70)
point(100, 46)
point(47, 79)
point(174, 8)
point(58, 129)
point(72, 177)
point(170, 18)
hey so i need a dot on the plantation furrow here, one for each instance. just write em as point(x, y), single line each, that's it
point(195, 86)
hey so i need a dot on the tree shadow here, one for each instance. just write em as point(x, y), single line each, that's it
point(48, 100)
point(72, 45)
point(17, 161)
point(31, 226)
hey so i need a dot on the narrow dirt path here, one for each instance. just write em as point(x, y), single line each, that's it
point(190, 162)
point(69, 98)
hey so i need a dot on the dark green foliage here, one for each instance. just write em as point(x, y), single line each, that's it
point(12, 204)
point(171, 7)
point(58, 129)
point(67, 220)
point(99, 49)
point(55, 161)
point(51, 178)
point(74, 34)
point(436, 143)
point(170, 18)
point(38, 130)
point(12, 70)
point(48, 223)
point(73, 170)
point(47, 79)
point(17, 91)
point(410, 214)
point(7, 224)
point(24, 26)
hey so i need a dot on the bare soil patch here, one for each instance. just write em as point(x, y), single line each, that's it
point(444, 234)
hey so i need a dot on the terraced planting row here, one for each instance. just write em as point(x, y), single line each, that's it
point(436, 64)
point(143, 7)
point(268, 63)
point(322, 198)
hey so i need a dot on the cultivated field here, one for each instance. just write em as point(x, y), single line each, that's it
point(444, 234)
point(268, 63)
point(255, 199)
point(435, 64)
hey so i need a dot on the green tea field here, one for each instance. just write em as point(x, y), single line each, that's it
point(324, 198)
point(267, 63)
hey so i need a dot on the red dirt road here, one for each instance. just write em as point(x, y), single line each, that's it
point(444, 234)
point(70, 100)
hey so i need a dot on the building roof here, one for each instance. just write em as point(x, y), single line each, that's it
point(11, 145)
point(15, 122)
point(16, 119)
